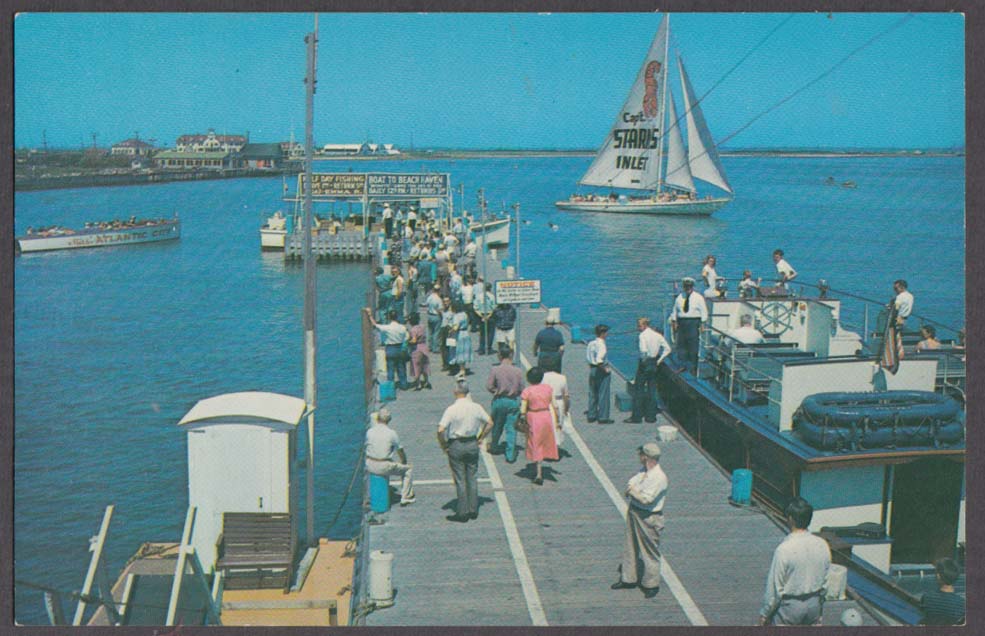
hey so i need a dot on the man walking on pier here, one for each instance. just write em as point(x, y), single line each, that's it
point(799, 571)
point(383, 449)
point(463, 425)
point(549, 343)
point(505, 383)
point(689, 312)
point(646, 492)
point(653, 349)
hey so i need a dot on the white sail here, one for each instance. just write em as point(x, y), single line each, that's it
point(702, 154)
point(628, 158)
point(678, 169)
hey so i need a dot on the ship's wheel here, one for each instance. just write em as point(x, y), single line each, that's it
point(777, 318)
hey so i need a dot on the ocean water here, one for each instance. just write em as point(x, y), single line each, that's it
point(113, 346)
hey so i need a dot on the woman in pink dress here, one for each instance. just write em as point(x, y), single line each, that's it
point(537, 407)
point(420, 363)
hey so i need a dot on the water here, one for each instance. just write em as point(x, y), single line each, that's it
point(113, 346)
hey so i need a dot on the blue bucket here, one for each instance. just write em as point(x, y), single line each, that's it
point(388, 391)
point(741, 486)
point(505, 263)
point(575, 333)
point(379, 493)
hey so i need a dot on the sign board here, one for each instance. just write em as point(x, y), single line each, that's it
point(337, 184)
point(407, 185)
point(517, 292)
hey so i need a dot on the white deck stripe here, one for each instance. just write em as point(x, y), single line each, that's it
point(443, 482)
point(676, 587)
point(534, 606)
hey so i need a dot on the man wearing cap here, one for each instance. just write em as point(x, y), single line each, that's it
point(382, 448)
point(549, 343)
point(795, 585)
point(387, 220)
point(653, 348)
point(689, 312)
point(599, 377)
point(463, 425)
point(646, 491)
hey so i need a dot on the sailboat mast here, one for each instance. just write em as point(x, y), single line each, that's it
point(663, 113)
point(310, 348)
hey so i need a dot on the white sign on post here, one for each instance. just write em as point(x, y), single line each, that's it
point(516, 292)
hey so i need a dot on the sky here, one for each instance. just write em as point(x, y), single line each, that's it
point(485, 80)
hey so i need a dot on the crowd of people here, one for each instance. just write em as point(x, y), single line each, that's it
point(538, 404)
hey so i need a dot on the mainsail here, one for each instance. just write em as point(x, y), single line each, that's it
point(628, 159)
point(702, 155)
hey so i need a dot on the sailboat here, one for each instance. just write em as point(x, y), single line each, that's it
point(634, 156)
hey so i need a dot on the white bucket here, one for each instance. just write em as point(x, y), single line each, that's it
point(381, 578)
point(492, 253)
point(510, 272)
point(380, 364)
point(667, 433)
point(837, 582)
point(554, 315)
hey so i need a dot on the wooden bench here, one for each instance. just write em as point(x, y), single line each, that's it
point(256, 550)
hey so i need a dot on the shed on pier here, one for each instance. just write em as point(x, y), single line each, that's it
point(242, 452)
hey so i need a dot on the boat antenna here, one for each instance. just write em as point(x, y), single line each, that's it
point(310, 342)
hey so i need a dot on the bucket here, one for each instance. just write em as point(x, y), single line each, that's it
point(741, 486)
point(492, 252)
point(380, 364)
point(388, 391)
point(381, 578)
point(837, 582)
point(575, 333)
point(667, 433)
point(510, 272)
point(379, 493)
point(624, 402)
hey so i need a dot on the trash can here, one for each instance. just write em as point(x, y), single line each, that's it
point(741, 486)
point(381, 578)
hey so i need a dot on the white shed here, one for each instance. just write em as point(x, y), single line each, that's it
point(241, 458)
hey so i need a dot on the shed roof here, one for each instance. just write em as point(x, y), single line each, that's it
point(256, 404)
point(176, 154)
point(261, 151)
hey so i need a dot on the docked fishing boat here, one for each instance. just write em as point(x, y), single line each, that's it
point(644, 153)
point(872, 438)
point(273, 232)
point(106, 234)
point(496, 232)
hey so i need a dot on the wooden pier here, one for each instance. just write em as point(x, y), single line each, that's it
point(546, 555)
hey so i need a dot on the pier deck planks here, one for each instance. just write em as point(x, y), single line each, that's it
point(446, 573)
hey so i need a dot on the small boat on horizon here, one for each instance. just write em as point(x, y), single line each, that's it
point(99, 234)
point(633, 155)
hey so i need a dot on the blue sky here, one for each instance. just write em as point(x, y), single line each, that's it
point(481, 80)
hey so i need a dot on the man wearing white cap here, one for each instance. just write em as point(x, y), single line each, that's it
point(387, 220)
point(382, 448)
point(689, 312)
point(549, 343)
point(646, 491)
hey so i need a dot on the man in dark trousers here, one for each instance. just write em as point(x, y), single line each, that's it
point(653, 348)
point(945, 606)
point(462, 427)
point(599, 377)
point(689, 312)
point(505, 383)
point(549, 343)
point(795, 586)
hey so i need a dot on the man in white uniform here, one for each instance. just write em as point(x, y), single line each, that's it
point(690, 311)
point(903, 303)
point(382, 449)
point(799, 571)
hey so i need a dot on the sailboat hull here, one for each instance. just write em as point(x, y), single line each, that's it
point(697, 207)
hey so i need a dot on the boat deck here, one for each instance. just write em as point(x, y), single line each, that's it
point(546, 555)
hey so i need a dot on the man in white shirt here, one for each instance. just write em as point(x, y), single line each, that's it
point(434, 306)
point(599, 377)
point(653, 348)
point(745, 332)
point(387, 220)
point(795, 586)
point(412, 218)
point(392, 336)
point(382, 449)
point(689, 312)
point(462, 427)
point(903, 303)
point(784, 271)
point(646, 491)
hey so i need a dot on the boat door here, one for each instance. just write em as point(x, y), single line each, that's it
point(926, 505)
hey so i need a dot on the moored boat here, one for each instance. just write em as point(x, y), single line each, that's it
point(645, 153)
point(273, 232)
point(495, 232)
point(815, 411)
point(100, 235)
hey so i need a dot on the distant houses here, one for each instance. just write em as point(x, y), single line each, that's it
point(132, 148)
point(210, 142)
point(357, 150)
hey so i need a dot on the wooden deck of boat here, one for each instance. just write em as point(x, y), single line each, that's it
point(546, 555)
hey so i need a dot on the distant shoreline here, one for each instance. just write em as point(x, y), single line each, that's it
point(799, 153)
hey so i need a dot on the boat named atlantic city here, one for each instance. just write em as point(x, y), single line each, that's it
point(100, 234)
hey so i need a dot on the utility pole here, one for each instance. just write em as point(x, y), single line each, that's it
point(310, 343)
point(516, 217)
point(44, 140)
point(94, 135)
